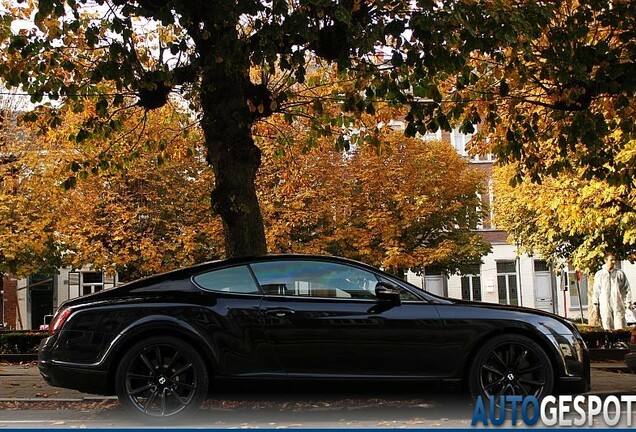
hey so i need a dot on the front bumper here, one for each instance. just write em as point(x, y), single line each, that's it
point(576, 376)
point(574, 385)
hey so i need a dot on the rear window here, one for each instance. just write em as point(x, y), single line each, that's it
point(232, 280)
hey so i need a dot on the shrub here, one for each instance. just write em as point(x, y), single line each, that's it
point(20, 342)
point(596, 337)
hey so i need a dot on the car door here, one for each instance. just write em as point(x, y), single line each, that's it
point(322, 318)
point(232, 322)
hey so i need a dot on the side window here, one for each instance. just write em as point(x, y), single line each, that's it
point(233, 279)
point(314, 279)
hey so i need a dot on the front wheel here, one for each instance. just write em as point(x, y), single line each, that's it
point(161, 377)
point(510, 365)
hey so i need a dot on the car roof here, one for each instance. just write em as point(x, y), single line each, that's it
point(187, 272)
point(210, 265)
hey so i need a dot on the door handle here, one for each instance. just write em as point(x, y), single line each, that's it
point(279, 312)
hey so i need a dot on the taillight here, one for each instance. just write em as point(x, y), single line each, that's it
point(59, 319)
point(633, 337)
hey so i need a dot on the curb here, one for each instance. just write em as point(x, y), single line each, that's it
point(67, 400)
point(605, 354)
point(615, 369)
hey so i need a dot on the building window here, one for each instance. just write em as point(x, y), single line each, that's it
point(471, 284)
point(483, 158)
point(433, 136)
point(507, 283)
point(541, 266)
point(480, 212)
point(92, 282)
point(434, 271)
point(459, 141)
point(491, 204)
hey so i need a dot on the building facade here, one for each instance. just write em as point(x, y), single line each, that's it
point(505, 275)
point(25, 302)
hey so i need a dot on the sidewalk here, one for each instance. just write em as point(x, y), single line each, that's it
point(22, 382)
point(612, 378)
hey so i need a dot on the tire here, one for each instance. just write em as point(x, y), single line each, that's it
point(511, 365)
point(161, 378)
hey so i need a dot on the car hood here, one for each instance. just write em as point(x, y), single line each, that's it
point(522, 309)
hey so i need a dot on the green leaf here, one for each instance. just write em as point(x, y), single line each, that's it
point(342, 14)
point(69, 183)
point(82, 135)
point(434, 93)
point(419, 91)
point(504, 88)
point(101, 107)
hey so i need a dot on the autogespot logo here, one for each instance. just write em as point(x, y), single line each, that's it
point(564, 410)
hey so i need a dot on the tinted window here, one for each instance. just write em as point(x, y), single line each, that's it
point(541, 266)
point(506, 267)
point(233, 279)
point(314, 279)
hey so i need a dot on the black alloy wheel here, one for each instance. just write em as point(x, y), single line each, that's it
point(511, 365)
point(161, 377)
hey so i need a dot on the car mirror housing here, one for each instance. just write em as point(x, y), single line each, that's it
point(385, 292)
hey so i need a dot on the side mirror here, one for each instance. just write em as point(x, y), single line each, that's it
point(388, 293)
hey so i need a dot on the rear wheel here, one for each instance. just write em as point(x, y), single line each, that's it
point(161, 377)
point(511, 365)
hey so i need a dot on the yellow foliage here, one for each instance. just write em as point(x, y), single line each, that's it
point(407, 203)
point(128, 212)
point(567, 216)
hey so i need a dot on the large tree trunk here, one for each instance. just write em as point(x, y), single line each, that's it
point(235, 159)
point(223, 67)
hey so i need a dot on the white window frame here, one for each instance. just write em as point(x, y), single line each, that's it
point(470, 277)
point(509, 276)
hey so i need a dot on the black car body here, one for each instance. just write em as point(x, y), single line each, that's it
point(630, 357)
point(297, 316)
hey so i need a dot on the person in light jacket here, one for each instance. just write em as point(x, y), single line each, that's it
point(612, 294)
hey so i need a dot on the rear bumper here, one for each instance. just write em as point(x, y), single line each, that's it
point(77, 377)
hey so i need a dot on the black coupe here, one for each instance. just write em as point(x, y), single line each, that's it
point(158, 343)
